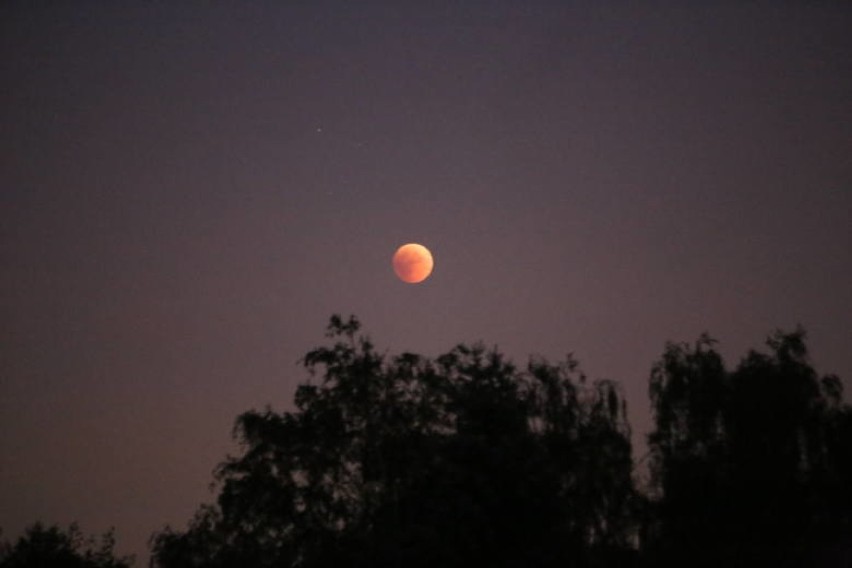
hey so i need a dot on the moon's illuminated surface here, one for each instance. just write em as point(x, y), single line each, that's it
point(412, 263)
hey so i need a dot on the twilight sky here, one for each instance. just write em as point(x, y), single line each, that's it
point(187, 193)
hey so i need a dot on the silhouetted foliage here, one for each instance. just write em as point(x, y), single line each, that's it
point(42, 546)
point(408, 461)
point(465, 459)
point(752, 466)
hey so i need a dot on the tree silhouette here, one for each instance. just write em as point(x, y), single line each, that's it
point(465, 459)
point(752, 466)
point(409, 461)
point(42, 546)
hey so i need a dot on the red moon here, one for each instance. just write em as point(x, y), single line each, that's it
point(412, 263)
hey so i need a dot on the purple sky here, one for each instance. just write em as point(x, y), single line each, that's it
point(187, 194)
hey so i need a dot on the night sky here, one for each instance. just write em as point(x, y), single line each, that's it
point(187, 193)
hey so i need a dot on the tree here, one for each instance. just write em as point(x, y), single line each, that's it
point(408, 461)
point(51, 546)
point(751, 466)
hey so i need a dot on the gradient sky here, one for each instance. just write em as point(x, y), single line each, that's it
point(189, 192)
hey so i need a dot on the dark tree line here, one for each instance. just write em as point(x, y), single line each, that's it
point(53, 547)
point(468, 460)
point(405, 461)
point(753, 467)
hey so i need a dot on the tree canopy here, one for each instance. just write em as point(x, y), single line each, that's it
point(467, 459)
point(409, 461)
point(752, 465)
point(54, 547)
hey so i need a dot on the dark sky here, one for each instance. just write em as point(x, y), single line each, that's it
point(188, 193)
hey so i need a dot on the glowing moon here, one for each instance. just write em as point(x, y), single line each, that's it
point(412, 263)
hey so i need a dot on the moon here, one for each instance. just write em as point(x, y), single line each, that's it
point(412, 263)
